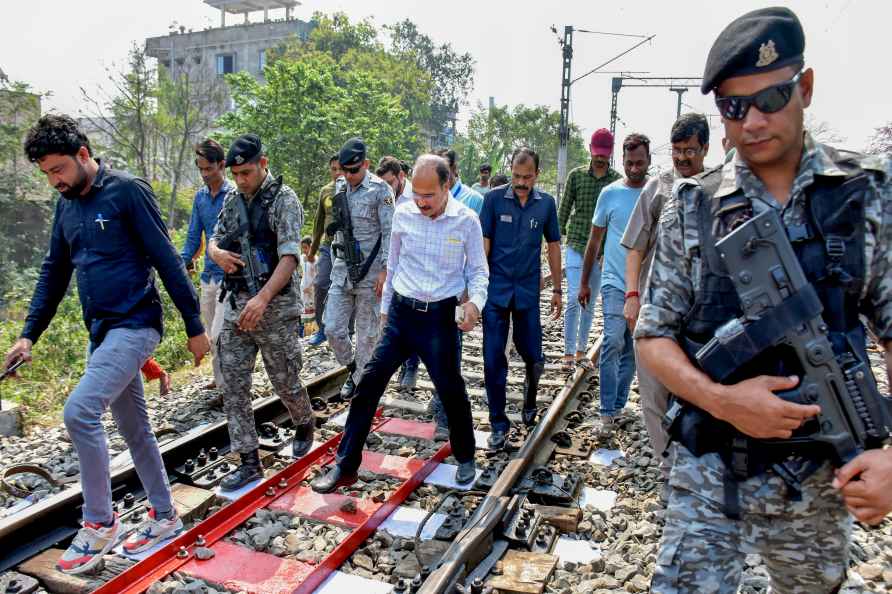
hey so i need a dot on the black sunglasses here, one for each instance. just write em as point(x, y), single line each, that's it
point(351, 170)
point(769, 100)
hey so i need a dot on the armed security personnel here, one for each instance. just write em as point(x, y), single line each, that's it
point(733, 493)
point(363, 212)
point(257, 244)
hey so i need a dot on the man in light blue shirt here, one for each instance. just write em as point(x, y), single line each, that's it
point(209, 158)
point(614, 207)
point(464, 194)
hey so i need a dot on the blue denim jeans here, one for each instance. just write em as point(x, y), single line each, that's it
point(617, 361)
point(112, 380)
point(578, 319)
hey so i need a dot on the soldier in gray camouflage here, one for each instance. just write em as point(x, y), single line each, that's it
point(370, 202)
point(801, 528)
point(267, 321)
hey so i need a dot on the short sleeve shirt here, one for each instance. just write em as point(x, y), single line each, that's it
point(613, 210)
point(641, 232)
point(515, 254)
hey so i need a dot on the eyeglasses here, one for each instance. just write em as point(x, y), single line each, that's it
point(689, 153)
point(768, 100)
point(351, 170)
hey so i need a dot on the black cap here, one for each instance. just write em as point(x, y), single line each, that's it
point(352, 153)
point(243, 149)
point(759, 41)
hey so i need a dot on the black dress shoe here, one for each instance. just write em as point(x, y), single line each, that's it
point(303, 439)
point(331, 480)
point(466, 473)
point(497, 440)
point(528, 416)
point(249, 470)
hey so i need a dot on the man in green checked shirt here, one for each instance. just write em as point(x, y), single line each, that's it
point(577, 207)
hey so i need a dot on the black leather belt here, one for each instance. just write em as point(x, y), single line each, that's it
point(424, 306)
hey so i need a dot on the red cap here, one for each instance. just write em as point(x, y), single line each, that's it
point(602, 143)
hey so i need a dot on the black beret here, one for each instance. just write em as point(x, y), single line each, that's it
point(352, 153)
point(759, 41)
point(243, 149)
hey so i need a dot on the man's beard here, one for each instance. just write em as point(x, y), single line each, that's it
point(75, 191)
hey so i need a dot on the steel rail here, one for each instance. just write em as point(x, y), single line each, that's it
point(55, 518)
point(493, 507)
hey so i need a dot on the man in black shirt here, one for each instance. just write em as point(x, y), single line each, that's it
point(108, 228)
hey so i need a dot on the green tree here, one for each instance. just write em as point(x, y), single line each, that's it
point(124, 112)
point(355, 49)
point(494, 134)
point(25, 198)
point(302, 113)
point(451, 72)
point(187, 100)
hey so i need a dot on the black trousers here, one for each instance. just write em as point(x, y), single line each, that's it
point(432, 335)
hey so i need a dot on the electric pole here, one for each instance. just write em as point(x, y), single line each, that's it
point(564, 134)
point(566, 82)
point(676, 84)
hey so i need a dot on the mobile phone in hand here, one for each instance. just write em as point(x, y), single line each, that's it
point(459, 314)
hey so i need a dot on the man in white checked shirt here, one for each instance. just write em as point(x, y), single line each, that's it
point(435, 243)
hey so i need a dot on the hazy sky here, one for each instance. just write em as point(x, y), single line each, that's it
point(60, 45)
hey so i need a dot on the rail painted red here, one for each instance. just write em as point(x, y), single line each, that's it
point(343, 551)
point(267, 573)
point(246, 570)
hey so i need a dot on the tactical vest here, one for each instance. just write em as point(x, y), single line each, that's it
point(830, 247)
point(264, 240)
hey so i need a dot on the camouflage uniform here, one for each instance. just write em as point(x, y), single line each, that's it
point(371, 210)
point(804, 543)
point(276, 334)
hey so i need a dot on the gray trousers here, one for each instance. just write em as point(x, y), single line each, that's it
point(654, 403)
point(212, 318)
point(321, 284)
point(112, 380)
point(343, 302)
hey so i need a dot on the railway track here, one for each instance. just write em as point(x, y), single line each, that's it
point(355, 535)
point(563, 512)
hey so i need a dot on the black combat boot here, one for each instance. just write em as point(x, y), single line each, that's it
point(249, 470)
point(530, 388)
point(349, 387)
point(303, 439)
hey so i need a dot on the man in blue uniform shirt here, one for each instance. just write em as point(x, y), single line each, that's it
point(514, 220)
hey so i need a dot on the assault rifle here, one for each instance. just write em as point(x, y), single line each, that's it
point(348, 248)
point(257, 269)
point(780, 306)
